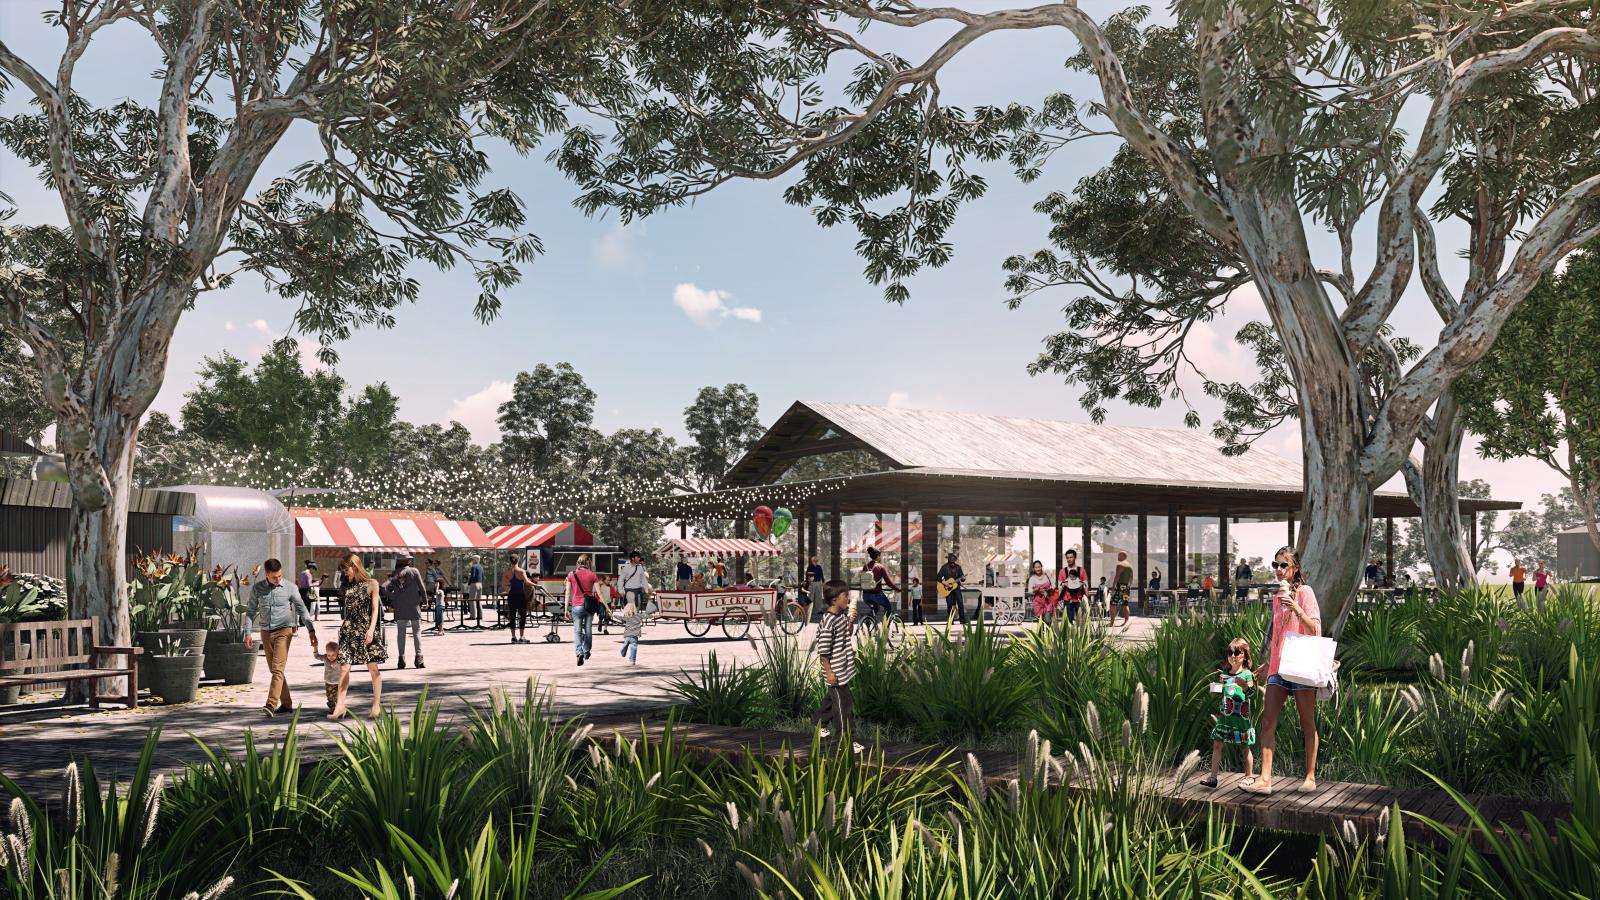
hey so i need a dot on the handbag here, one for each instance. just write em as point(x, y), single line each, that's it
point(1308, 659)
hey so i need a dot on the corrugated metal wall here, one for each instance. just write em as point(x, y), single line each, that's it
point(1575, 556)
point(34, 538)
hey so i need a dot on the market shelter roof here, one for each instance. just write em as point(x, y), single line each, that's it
point(383, 528)
point(971, 464)
point(720, 547)
point(538, 534)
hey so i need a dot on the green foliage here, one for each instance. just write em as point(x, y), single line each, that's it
point(1382, 639)
point(962, 685)
point(1366, 733)
point(411, 776)
point(794, 680)
point(723, 422)
point(521, 751)
point(728, 694)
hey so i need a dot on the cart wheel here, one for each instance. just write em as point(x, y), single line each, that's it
point(704, 626)
point(552, 638)
point(735, 625)
point(791, 618)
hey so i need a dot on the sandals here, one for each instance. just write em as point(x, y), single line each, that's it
point(1253, 785)
point(1209, 781)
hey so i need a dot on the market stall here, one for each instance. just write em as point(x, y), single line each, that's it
point(1004, 584)
point(702, 606)
point(381, 536)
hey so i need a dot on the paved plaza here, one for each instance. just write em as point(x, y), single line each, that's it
point(39, 738)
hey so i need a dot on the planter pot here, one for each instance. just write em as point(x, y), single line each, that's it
point(175, 679)
point(11, 694)
point(232, 663)
point(188, 638)
point(214, 639)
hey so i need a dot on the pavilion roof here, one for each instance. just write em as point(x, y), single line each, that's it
point(972, 464)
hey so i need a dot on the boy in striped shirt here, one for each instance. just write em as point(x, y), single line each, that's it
point(836, 649)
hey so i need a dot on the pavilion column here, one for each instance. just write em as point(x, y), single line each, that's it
point(683, 528)
point(905, 557)
point(1224, 569)
point(1183, 551)
point(1172, 545)
point(800, 541)
point(834, 529)
point(1139, 582)
point(1060, 549)
point(1088, 553)
point(740, 530)
point(1388, 549)
point(1032, 553)
point(930, 562)
point(1291, 529)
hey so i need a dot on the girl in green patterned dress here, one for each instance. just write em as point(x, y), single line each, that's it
point(1237, 686)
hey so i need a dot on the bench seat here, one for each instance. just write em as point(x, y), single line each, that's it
point(26, 647)
point(62, 677)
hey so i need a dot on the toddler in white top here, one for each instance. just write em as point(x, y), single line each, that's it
point(331, 672)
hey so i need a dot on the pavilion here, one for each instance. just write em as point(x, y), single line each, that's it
point(941, 466)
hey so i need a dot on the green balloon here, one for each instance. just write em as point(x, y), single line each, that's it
point(781, 520)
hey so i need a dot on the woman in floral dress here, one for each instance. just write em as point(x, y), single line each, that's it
point(360, 635)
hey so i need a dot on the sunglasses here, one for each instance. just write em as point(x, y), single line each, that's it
point(1235, 652)
point(1281, 565)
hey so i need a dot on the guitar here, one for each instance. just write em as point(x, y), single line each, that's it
point(947, 586)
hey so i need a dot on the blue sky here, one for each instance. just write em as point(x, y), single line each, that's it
point(617, 302)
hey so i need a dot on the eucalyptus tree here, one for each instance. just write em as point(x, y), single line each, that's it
point(168, 195)
point(1300, 114)
point(1538, 393)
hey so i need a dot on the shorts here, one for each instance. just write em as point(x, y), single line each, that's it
point(1286, 684)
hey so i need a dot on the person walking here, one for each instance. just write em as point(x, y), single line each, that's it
point(436, 590)
point(307, 583)
point(360, 634)
point(1242, 577)
point(632, 629)
point(1519, 578)
point(1541, 585)
point(279, 610)
point(583, 594)
point(473, 596)
point(518, 586)
point(813, 586)
point(951, 576)
point(1074, 583)
point(1121, 587)
point(836, 651)
point(634, 580)
point(1237, 685)
point(1042, 590)
point(406, 594)
point(1294, 611)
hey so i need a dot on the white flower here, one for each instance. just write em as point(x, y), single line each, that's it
point(1436, 667)
point(1349, 833)
point(1498, 701)
point(733, 815)
point(1091, 718)
point(1187, 766)
point(1141, 708)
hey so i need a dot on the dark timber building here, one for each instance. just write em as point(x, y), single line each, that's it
point(918, 472)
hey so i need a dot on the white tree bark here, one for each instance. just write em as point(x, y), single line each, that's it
point(1435, 486)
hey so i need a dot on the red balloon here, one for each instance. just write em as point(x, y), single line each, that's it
point(762, 518)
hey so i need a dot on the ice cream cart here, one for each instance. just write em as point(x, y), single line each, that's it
point(700, 607)
point(1004, 587)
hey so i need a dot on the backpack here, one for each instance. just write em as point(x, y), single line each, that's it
point(867, 579)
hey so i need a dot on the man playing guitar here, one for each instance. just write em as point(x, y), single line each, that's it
point(950, 578)
point(1073, 580)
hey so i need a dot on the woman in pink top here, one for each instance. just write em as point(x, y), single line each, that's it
point(1294, 610)
point(584, 594)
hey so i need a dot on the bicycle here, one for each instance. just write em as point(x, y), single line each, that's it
point(789, 615)
point(873, 618)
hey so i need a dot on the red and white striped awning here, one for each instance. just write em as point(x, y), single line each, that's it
point(721, 547)
point(391, 551)
point(380, 530)
point(1002, 557)
point(887, 539)
point(519, 537)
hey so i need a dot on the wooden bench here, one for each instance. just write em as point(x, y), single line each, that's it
point(65, 651)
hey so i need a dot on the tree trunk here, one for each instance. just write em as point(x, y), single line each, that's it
point(1337, 518)
point(97, 585)
point(1437, 491)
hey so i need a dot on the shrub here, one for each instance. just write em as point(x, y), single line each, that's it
point(879, 687)
point(521, 751)
point(725, 694)
point(965, 687)
point(1381, 639)
point(1366, 733)
point(794, 680)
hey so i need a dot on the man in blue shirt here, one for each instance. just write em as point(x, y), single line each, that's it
point(685, 573)
point(276, 607)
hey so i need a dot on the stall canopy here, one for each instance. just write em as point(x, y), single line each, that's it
point(885, 539)
point(721, 547)
point(539, 534)
point(383, 530)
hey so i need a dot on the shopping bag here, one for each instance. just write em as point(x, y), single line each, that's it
point(1307, 659)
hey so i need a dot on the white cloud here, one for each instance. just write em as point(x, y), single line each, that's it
point(479, 412)
point(261, 326)
point(228, 325)
point(705, 306)
point(899, 399)
point(308, 356)
point(612, 249)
